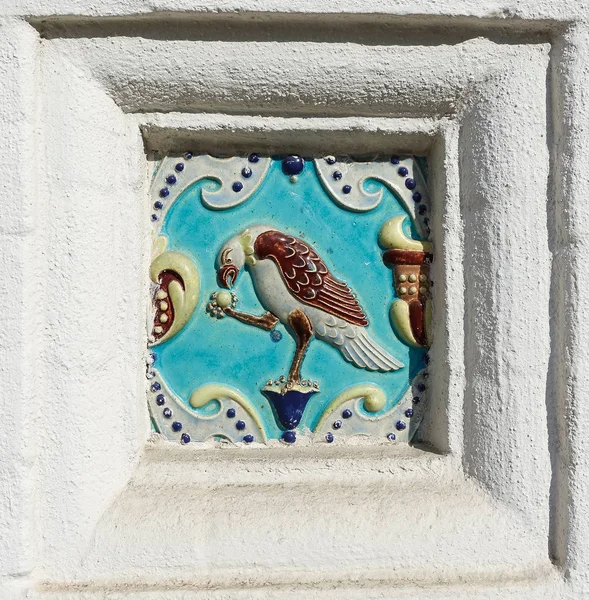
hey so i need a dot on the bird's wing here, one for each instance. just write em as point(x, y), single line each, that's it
point(307, 277)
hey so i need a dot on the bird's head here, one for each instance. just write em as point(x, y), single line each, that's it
point(237, 252)
point(230, 261)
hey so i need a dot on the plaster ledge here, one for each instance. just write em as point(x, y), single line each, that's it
point(252, 517)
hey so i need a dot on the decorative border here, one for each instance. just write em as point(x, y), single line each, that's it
point(345, 179)
point(176, 174)
point(349, 415)
point(235, 420)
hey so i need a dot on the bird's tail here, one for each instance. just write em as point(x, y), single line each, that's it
point(367, 354)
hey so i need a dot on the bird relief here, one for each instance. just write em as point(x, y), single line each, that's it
point(272, 315)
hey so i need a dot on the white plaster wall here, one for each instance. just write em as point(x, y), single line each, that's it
point(507, 314)
point(18, 338)
point(496, 94)
point(94, 302)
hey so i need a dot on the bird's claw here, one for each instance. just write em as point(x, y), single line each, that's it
point(221, 304)
point(289, 385)
point(284, 385)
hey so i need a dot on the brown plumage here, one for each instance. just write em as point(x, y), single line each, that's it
point(308, 278)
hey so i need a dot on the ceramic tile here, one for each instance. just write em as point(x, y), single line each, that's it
point(290, 298)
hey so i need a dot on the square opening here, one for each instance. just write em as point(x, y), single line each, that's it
point(290, 297)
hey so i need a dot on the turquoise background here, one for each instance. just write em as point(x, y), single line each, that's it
point(226, 351)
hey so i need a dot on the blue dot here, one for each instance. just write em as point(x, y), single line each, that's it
point(155, 387)
point(253, 158)
point(161, 399)
point(290, 437)
point(164, 192)
point(167, 413)
point(403, 171)
point(329, 437)
point(154, 217)
point(426, 359)
point(337, 424)
point(395, 160)
point(416, 197)
point(275, 335)
point(185, 438)
point(188, 155)
point(171, 179)
point(337, 175)
point(293, 165)
point(392, 437)
point(248, 439)
point(410, 183)
point(177, 426)
point(421, 386)
point(158, 205)
point(240, 425)
point(180, 167)
point(246, 172)
point(347, 189)
point(231, 413)
point(237, 186)
point(347, 413)
point(330, 160)
point(422, 209)
point(416, 399)
point(409, 412)
point(400, 425)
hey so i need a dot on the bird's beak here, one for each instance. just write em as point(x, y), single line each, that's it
point(227, 275)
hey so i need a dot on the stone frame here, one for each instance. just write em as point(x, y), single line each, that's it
point(473, 131)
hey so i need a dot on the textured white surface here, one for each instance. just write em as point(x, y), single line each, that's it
point(387, 522)
point(496, 9)
point(497, 94)
point(18, 336)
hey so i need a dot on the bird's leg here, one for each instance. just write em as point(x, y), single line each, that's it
point(301, 326)
point(267, 321)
